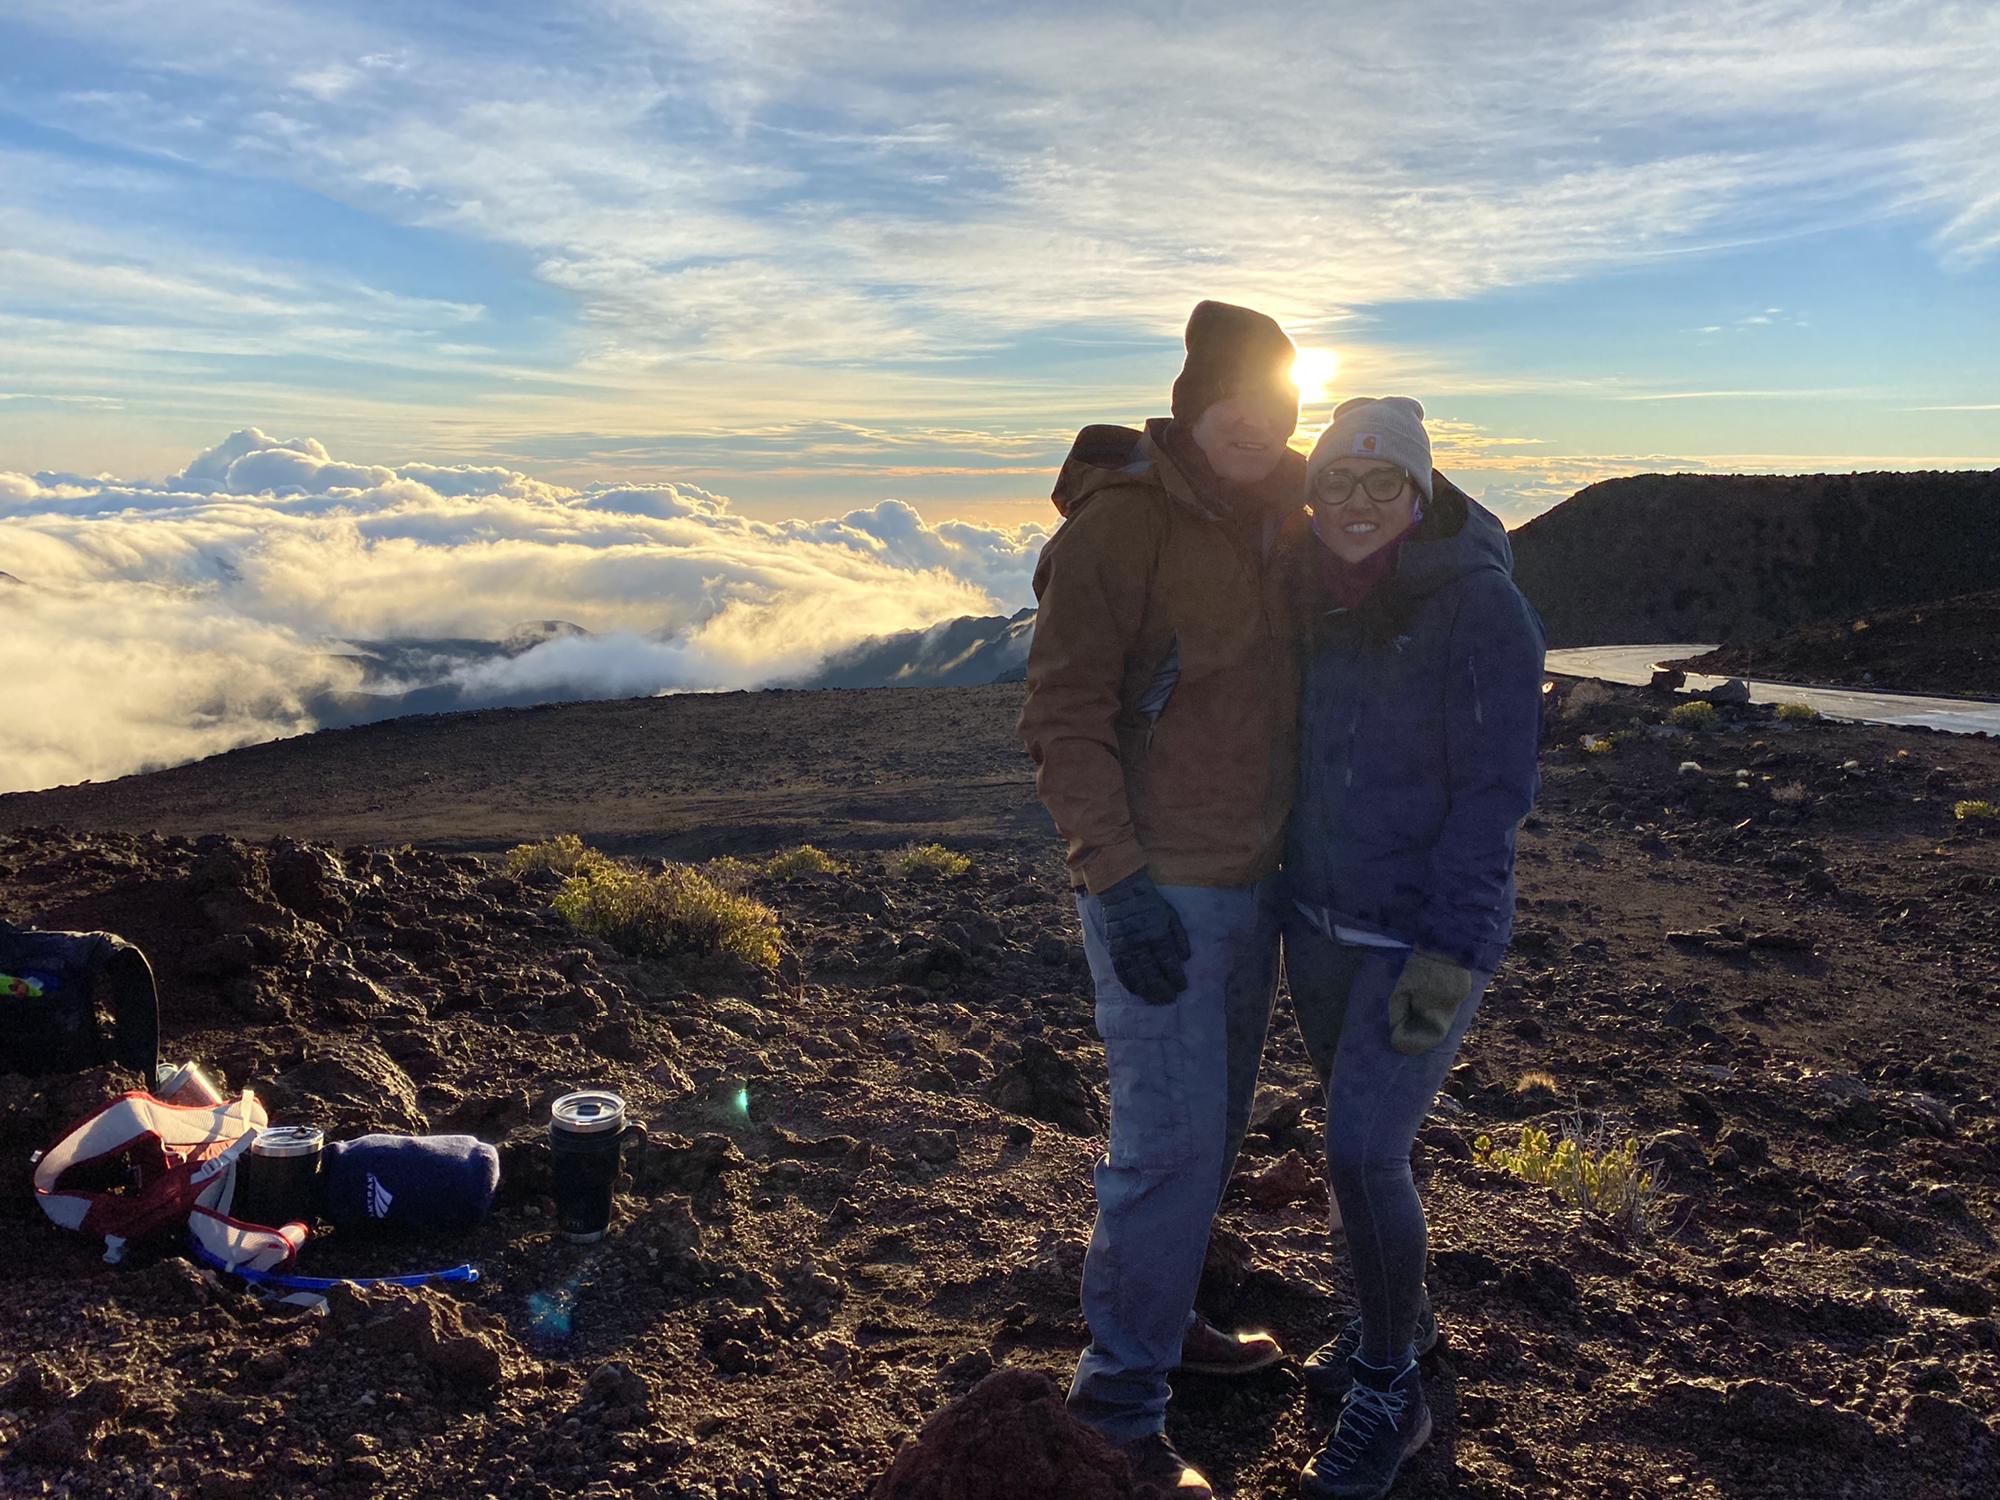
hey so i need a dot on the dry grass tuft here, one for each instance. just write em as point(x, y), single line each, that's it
point(802, 860)
point(676, 911)
point(565, 855)
point(652, 914)
point(932, 861)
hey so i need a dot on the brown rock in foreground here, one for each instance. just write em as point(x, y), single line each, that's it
point(1009, 1436)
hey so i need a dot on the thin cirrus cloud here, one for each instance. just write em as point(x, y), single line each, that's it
point(152, 623)
point(679, 216)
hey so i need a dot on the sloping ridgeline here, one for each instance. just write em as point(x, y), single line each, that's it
point(967, 652)
point(1727, 558)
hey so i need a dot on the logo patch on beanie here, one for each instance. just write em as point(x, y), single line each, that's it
point(1367, 442)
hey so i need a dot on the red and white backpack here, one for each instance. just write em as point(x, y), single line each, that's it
point(179, 1163)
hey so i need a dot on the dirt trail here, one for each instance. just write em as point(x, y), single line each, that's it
point(866, 1189)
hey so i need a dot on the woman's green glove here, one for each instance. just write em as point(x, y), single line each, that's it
point(1426, 998)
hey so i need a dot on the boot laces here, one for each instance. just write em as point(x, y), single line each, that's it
point(1368, 1408)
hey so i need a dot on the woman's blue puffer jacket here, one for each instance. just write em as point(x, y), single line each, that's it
point(1421, 720)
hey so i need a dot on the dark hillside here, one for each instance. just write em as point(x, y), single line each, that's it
point(1730, 558)
point(1947, 646)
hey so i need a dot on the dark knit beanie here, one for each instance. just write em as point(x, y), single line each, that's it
point(1232, 351)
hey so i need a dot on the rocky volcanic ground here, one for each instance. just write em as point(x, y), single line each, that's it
point(866, 1182)
point(1951, 646)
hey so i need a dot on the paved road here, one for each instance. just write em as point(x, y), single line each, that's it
point(1635, 664)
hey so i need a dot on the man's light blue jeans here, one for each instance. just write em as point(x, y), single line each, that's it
point(1182, 1080)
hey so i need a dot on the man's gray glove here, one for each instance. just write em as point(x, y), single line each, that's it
point(1149, 947)
point(1425, 1001)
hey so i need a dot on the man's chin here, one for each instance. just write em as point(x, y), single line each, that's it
point(1242, 474)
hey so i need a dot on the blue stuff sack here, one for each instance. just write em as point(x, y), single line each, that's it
point(57, 990)
point(409, 1184)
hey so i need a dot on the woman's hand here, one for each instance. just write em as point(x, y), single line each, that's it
point(1425, 1001)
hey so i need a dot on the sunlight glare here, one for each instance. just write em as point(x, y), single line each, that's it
point(1312, 372)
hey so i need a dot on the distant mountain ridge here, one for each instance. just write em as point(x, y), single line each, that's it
point(969, 651)
point(420, 675)
point(1944, 646)
point(1699, 557)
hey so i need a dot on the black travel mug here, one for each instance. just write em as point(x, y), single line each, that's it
point(277, 1180)
point(587, 1130)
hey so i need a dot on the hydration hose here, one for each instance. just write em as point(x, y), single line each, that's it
point(467, 1272)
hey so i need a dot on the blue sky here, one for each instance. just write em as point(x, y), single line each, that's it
point(815, 256)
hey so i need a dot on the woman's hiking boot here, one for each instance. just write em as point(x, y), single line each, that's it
point(1383, 1421)
point(1208, 1350)
point(1158, 1470)
point(1327, 1371)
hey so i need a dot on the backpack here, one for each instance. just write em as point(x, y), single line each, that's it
point(56, 990)
point(139, 1166)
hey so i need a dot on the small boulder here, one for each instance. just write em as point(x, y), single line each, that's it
point(1043, 1084)
point(1010, 1435)
point(1287, 1180)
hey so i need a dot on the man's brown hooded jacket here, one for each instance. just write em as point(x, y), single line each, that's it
point(1148, 592)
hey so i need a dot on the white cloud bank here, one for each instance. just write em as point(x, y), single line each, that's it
point(154, 623)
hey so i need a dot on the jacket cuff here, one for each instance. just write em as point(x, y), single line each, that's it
point(1101, 869)
point(1454, 948)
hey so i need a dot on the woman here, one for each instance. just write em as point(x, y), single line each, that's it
point(1421, 717)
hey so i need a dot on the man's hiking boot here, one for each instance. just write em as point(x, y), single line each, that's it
point(1383, 1421)
point(1208, 1350)
point(1159, 1470)
point(1327, 1371)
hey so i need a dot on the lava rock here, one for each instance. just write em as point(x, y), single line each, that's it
point(1287, 1180)
point(1043, 1084)
point(1010, 1435)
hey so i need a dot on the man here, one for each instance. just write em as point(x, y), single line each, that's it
point(1161, 715)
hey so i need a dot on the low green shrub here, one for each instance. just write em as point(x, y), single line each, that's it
point(1700, 714)
point(675, 911)
point(1797, 713)
point(929, 860)
point(565, 855)
point(1585, 1169)
point(732, 872)
point(1980, 811)
point(803, 860)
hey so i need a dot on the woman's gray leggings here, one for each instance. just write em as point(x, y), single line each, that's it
point(1376, 1098)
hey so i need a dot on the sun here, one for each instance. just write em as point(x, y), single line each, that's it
point(1312, 372)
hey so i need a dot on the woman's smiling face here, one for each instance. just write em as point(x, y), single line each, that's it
point(1363, 525)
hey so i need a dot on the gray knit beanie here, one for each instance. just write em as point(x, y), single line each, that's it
point(1385, 427)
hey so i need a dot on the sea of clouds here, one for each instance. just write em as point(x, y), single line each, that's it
point(146, 624)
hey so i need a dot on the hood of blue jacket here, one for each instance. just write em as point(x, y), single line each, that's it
point(1459, 536)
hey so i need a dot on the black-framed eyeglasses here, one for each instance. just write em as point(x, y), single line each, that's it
point(1382, 484)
